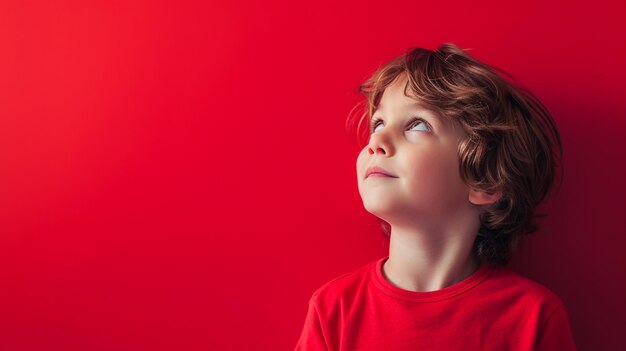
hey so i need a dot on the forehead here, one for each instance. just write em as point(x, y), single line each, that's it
point(394, 98)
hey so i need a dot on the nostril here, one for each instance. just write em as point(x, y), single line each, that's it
point(372, 151)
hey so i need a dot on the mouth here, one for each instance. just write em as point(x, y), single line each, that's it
point(379, 173)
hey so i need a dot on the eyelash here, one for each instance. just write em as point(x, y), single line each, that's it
point(415, 121)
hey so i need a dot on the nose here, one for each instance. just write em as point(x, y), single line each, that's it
point(379, 143)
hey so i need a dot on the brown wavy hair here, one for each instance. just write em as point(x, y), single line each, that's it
point(512, 144)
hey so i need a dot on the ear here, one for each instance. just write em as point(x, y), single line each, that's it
point(478, 197)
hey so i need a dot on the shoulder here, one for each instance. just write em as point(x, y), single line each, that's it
point(343, 286)
point(522, 290)
point(533, 305)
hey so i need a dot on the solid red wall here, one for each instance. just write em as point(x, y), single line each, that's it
point(176, 175)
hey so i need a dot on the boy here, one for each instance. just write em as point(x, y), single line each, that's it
point(457, 160)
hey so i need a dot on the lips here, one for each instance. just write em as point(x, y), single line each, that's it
point(378, 172)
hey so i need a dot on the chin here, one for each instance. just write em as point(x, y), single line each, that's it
point(379, 207)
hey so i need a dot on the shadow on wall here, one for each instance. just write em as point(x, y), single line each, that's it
point(579, 252)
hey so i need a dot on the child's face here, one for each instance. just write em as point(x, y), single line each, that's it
point(418, 149)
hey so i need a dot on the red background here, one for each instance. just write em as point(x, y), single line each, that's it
point(176, 175)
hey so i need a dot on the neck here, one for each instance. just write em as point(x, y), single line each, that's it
point(429, 261)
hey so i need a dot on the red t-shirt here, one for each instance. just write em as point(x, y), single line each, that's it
point(493, 309)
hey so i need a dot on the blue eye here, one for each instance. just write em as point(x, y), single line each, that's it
point(417, 125)
point(375, 125)
point(418, 122)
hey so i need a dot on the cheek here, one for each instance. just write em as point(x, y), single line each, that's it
point(360, 163)
point(434, 173)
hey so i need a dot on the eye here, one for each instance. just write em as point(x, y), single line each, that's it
point(419, 126)
point(376, 125)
